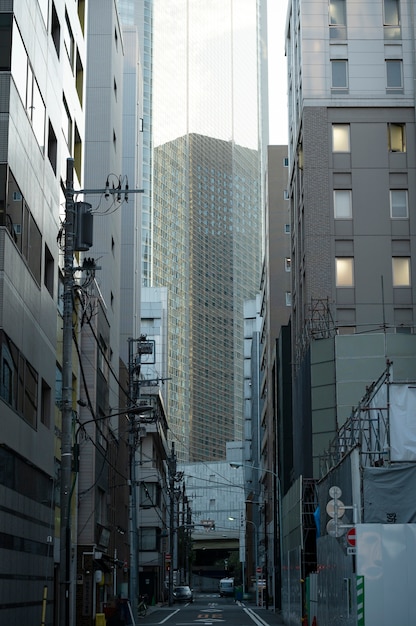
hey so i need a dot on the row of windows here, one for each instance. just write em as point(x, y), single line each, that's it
point(338, 19)
point(344, 271)
point(394, 74)
point(396, 137)
point(399, 206)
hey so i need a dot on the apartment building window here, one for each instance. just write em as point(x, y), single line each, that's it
point(398, 203)
point(67, 124)
point(344, 272)
point(401, 271)
point(391, 15)
point(69, 40)
point(148, 539)
point(19, 380)
point(342, 204)
point(396, 137)
point(341, 138)
point(6, 21)
point(287, 229)
point(287, 264)
point(55, 30)
point(339, 70)
point(394, 74)
point(28, 88)
point(286, 162)
point(337, 19)
point(288, 298)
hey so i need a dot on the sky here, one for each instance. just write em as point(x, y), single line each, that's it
point(276, 19)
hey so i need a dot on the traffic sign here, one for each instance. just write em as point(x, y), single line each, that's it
point(351, 537)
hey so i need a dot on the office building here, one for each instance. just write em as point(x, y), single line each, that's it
point(207, 205)
point(42, 97)
point(352, 184)
point(352, 188)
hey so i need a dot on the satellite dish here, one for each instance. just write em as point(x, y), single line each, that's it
point(335, 492)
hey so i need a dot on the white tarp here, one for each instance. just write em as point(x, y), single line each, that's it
point(386, 559)
point(402, 419)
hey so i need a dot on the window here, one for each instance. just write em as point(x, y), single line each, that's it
point(287, 229)
point(396, 137)
point(341, 138)
point(149, 495)
point(148, 539)
point(391, 10)
point(69, 40)
point(6, 21)
point(58, 387)
point(398, 203)
point(394, 74)
point(79, 78)
point(19, 380)
point(288, 298)
point(287, 264)
point(45, 409)
point(286, 162)
point(49, 271)
point(67, 124)
point(344, 268)
point(55, 30)
point(342, 204)
point(401, 271)
point(337, 19)
point(52, 147)
point(339, 70)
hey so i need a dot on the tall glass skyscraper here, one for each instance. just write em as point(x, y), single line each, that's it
point(207, 203)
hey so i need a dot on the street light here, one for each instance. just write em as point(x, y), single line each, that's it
point(279, 500)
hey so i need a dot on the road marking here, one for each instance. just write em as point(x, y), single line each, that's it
point(256, 618)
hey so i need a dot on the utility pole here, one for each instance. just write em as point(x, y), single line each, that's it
point(66, 583)
point(172, 475)
point(66, 428)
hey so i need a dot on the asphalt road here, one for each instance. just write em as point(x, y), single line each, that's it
point(209, 610)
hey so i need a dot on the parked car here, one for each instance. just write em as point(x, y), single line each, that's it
point(183, 594)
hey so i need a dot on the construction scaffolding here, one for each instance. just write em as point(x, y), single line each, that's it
point(367, 428)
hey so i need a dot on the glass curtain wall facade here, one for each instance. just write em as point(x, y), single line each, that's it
point(206, 208)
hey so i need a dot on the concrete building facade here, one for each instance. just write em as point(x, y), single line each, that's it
point(42, 68)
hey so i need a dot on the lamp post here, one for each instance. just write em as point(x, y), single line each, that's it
point(279, 500)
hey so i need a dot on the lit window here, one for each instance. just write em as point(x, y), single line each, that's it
point(398, 203)
point(342, 204)
point(344, 267)
point(339, 71)
point(394, 74)
point(337, 19)
point(396, 137)
point(341, 137)
point(401, 271)
point(391, 9)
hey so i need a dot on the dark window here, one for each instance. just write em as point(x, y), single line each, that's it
point(19, 381)
point(6, 21)
point(55, 30)
point(52, 147)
